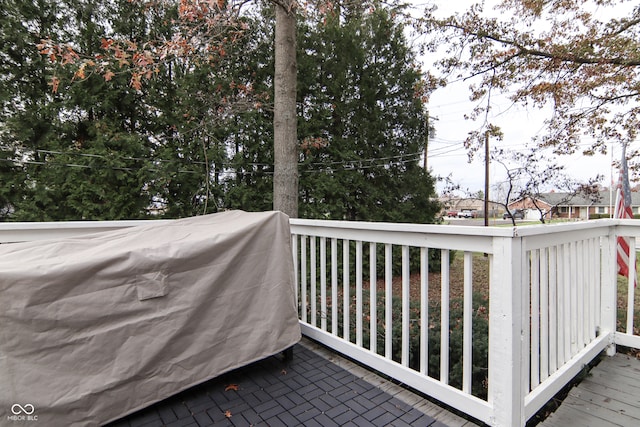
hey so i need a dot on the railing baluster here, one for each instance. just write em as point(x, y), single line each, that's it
point(373, 299)
point(567, 299)
point(359, 293)
point(444, 318)
point(303, 276)
point(388, 308)
point(525, 296)
point(346, 300)
point(405, 305)
point(631, 284)
point(424, 311)
point(580, 285)
point(594, 274)
point(572, 300)
point(296, 269)
point(584, 284)
point(544, 314)
point(535, 319)
point(314, 275)
point(561, 306)
point(598, 268)
point(323, 283)
point(553, 309)
point(334, 286)
point(467, 326)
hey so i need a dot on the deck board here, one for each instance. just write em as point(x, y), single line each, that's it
point(609, 396)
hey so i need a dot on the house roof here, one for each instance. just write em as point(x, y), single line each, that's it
point(603, 198)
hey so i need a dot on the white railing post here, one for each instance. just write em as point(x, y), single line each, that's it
point(506, 386)
point(609, 293)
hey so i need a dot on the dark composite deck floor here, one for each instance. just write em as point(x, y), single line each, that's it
point(316, 388)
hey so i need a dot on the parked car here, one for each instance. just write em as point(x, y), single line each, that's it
point(517, 214)
point(452, 213)
point(467, 213)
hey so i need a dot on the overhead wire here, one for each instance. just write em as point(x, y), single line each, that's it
point(225, 167)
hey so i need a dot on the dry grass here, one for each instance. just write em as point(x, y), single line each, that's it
point(456, 280)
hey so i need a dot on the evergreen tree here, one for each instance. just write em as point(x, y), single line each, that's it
point(198, 136)
point(96, 147)
point(363, 121)
point(79, 146)
point(249, 183)
point(26, 114)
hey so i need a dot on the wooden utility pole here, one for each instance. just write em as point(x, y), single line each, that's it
point(486, 178)
point(426, 143)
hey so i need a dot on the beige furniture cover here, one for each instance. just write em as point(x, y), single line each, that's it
point(96, 327)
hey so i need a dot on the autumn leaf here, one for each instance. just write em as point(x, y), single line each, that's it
point(54, 83)
point(136, 83)
point(108, 75)
point(227, 414)
point(283, 372)
point(79, 74)
point(69, 56)
point(233, 387)
point(106, 44)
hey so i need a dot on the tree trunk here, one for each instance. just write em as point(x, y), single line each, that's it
point(285, 144)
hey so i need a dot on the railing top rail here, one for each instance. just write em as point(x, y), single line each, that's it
point(64, 227)
point(540, 229)
point(492, 231)
point(404, 227)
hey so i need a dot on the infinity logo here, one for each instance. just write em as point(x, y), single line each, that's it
point(17, 409)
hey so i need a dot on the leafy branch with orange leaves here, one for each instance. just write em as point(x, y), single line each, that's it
point(200, 34)
point(580, 58)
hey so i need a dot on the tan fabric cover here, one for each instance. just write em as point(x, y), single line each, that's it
point(96, 327)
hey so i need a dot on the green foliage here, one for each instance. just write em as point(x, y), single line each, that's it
point(198, 136)
point(362, 122)
point(480, 333)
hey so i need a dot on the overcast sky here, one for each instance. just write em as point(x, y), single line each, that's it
point(447, 156)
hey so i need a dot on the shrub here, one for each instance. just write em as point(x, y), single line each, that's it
point(479, 331)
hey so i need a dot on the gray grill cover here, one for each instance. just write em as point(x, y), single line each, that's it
point(96, 327)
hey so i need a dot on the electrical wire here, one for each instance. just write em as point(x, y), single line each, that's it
point(227, 167)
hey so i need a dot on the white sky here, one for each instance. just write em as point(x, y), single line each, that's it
point(448, 157)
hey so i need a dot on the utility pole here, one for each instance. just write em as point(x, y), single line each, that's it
point(486, 179)
point(426, 142)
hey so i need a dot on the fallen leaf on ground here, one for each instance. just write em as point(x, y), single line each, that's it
point(233, 387)
point(227, 414)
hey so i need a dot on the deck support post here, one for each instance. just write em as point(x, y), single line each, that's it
point(609, 290)
point(506, 365)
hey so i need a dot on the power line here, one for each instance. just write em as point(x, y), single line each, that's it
point(226, 167)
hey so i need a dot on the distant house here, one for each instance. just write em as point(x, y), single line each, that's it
point(532, 207)
point(566, 205)
point(458, 204)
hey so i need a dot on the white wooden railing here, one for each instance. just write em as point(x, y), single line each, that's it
point(551, 309)
point(552, 303)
